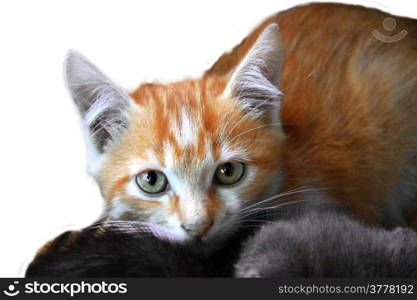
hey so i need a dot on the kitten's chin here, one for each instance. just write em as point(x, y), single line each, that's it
point(167, 234)
point(210, 242)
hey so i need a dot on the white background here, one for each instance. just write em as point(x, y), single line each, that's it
point(44, 187)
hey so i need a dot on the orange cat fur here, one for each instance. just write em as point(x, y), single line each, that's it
point(339, 118)
point(350, 105)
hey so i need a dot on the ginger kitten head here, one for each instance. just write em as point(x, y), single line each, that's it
point(186, 156)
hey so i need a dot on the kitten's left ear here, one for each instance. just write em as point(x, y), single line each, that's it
point(255, 81)
point(104, 107)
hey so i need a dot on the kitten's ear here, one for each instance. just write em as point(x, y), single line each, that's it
point(102, 104)
point(255, 81)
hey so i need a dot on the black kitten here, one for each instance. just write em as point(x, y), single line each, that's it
point(127, 249)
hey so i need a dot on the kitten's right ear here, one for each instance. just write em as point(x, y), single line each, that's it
point(255, 81)
point(102, 104)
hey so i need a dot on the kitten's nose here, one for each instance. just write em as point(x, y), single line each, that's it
point(198, 230)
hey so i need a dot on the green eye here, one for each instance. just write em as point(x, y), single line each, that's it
point(152, 182)
point(229, 173)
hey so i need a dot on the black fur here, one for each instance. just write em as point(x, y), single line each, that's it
point(123, 251)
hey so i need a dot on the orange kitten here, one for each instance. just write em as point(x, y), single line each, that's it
point(338, 114)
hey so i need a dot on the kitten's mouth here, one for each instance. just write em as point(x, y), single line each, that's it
point(213, 237)
point(205, 242)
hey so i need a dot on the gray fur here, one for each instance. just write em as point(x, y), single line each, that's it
point(327, 243)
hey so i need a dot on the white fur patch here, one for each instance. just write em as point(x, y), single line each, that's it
point(136, 165)
point(187, 134)
point(94, 158)
point(168, 155)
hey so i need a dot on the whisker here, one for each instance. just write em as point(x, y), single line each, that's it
point(271, 208)
point(291, 192)
point(115, 224)
point(301, 80)
point(249, 115)
point(120, 228)
point(254, 128)
point(250, 226)
point(256, 221)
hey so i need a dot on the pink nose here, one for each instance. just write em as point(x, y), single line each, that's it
point(198, 230)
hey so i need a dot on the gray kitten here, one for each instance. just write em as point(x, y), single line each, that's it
point(326, 242)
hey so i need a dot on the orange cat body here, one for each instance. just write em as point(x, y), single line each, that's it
point(348, 114)
point(350, 106)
